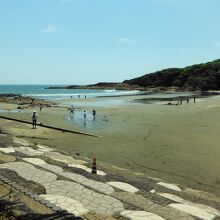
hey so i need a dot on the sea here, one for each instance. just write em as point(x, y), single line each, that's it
point(41, 91)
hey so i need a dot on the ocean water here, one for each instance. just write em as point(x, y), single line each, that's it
point(39, 91)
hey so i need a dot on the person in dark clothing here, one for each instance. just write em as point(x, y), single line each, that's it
point(34, 117)
point(93, 113)
point(187, 100)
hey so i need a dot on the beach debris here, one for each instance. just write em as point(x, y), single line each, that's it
point(124, 186)
point(153, 191)
point(94, 170)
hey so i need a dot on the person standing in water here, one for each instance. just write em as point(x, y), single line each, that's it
point(34, 117)
point(93, 113)
point(84, 115)
point(187, 100)
point(71, 111)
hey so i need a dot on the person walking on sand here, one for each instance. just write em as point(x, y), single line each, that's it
point(194, 99)
point(40, 108)
point(34, 117)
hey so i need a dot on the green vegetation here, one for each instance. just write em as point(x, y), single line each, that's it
point(203, 77)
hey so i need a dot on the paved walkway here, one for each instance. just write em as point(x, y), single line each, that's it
point(43, 174)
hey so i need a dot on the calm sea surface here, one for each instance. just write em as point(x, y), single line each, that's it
point(39, 91)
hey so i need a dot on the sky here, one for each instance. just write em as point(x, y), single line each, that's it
point(90, 41)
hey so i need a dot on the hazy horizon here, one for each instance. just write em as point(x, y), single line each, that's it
point(67, 42)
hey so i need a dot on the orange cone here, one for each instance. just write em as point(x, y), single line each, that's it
point(94, 170)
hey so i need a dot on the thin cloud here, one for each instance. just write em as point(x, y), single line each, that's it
point(217, 44)
point(49, 29)
point(124, 40)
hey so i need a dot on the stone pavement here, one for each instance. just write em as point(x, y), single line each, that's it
point(48, 177)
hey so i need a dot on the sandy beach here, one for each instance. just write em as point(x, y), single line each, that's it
point(179, 144)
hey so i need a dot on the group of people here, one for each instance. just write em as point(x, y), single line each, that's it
point(180, 101)
point(71, 97)
point(35, 116)
point(84, 113)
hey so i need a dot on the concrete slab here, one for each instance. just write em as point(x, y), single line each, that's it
point(170, 186)
point(6, 158)
point(194, 211)
point(35, 161)
point(7, 150)
point(44, 165)
point(28, 151)
point(98, 186)
point(29, 172)
point(140, 215)
point(124, 186)
point(147, 205)
point(65, 203)
point(204, 207)
point(21, 141)
point(93, 201)
point(89, 170)
point(44, 148)
point(63, 158)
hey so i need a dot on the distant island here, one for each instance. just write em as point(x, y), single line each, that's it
point(205, 76)
point(101, 85)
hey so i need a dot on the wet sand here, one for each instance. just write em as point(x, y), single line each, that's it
point(179, 144)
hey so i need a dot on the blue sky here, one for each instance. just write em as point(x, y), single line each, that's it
point(88, 41)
